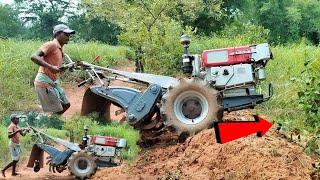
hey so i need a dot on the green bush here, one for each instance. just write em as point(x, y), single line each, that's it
point(309, 91)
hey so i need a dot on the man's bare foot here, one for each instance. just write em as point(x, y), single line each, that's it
point(3, 174)
point(15, 174)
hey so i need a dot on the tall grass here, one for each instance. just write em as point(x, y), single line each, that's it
point(16, 72)
point(4, 149)
point(282, 72)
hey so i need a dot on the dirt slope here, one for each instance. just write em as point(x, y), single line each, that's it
point(200, 157)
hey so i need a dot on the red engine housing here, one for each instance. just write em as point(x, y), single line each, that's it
point(104, 140)
point(226, 56)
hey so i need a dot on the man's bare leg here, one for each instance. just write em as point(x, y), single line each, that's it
point(65, 108)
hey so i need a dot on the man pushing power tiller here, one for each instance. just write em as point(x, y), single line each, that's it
point(50, 57)
point(14, 133)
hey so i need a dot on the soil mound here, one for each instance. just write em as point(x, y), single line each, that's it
point(200, 157)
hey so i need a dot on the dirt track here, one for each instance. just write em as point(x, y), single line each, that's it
point(200, 157)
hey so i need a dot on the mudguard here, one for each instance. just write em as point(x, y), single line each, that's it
point(37, 154)
point(136, 104)
point(58, 157)
point(97, 98)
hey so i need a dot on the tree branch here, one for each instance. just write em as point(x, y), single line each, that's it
point(158, 15)
point(147, 9)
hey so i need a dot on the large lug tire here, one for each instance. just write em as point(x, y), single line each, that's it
point(191, 106)
point(82, 165)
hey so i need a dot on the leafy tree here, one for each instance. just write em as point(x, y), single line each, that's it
point(272, 15)
point(204, 15)
point(153, 27)
point(146, 28)
point(42, 15)
point(10, 25)
point(310, 19)
point(95, 28)
point(287, 20)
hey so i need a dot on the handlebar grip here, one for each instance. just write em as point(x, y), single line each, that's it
point(82, 83)
point(63, 68)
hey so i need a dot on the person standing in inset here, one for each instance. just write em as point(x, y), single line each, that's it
point(14, 133)
point(50, 58)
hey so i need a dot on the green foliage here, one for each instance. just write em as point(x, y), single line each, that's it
point(95, 29)
point(17, 72)
point(36, 120)
point(309, 94)
point(76, 124)
point(272, 15)
point(10, 25)
point(197, 14)
point(247, 32)
point(153, 29)
point(310, 19)
point(288, 63)
point(109, 55)
point(147, 29)
point(63, 134)
point(313, 145)
point(287, 20)
point(43, 15)
point(161, 51)
point(294, 75)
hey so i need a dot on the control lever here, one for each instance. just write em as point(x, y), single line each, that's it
point(90, 79)
point(84, 82)
point(70, 66)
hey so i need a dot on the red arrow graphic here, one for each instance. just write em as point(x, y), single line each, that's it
point(229, 131)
